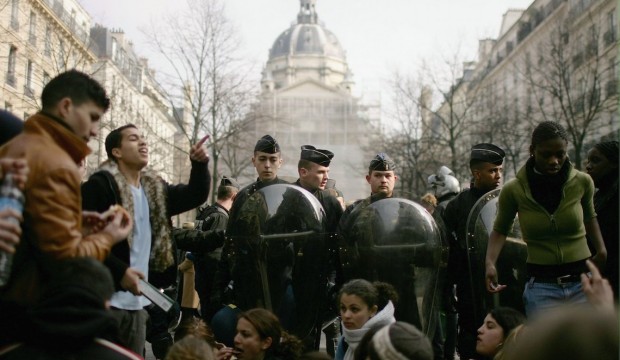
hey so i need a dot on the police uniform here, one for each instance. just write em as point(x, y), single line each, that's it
point(455, 220)
point(331, 205)
point(213, 217)
point(221, 293)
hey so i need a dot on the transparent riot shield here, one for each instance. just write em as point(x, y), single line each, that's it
point(397, 241)
point(280, 255)
point(511, 264)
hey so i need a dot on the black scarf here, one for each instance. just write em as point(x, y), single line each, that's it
point(547, 189)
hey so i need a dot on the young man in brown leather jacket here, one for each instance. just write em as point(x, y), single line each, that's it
point(53, 142)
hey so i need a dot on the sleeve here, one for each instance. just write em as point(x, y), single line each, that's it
point(185, 197)
point(587, 201)
point(55, 210)
point(507, 209)
point(197, 240)
point(450, 218)
point(98, 196)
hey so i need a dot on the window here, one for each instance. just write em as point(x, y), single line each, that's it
point(46, 78)
point(62, 54)
point(48, 41)
point(114, 49)
point(8, 106)
point(14, 14)
point(32, 35)
point(610, 35)
point(10, 74)
point(28, 87)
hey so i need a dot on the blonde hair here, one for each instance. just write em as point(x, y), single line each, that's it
point(429, 199)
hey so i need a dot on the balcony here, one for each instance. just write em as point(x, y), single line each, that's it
point(10, 78)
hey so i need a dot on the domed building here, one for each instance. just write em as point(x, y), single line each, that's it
point(306, 98)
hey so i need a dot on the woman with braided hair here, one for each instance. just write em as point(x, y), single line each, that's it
point(602, 166)
point(555, 205)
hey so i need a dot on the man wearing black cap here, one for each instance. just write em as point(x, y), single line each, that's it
point(313, 169)
point(486, 168)
point(267, 161)
point(381, 178)
point(214, 217)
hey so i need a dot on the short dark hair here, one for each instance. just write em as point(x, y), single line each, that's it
point(85, 273)
point(375, 293)
point(77, 86)
point(304, 164)
point(114, 139)
point(226, 192)
point(548, 130)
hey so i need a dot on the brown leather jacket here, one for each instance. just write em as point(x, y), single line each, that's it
point(52, 227)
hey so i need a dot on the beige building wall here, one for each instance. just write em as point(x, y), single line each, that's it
point(39, 39)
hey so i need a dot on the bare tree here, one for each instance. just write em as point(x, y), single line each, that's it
point(200, 47)
point(574, 84)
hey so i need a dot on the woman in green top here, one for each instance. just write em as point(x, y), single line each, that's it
point(556, 211)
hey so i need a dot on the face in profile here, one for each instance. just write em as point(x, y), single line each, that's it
point(266, 165)
point(133, 151)
point(315, 177)
point(354, 311)
point(490, 337)
point(83, 119)
point(550, 155)
point(248, 341)
point(488, 176)
point(598, 166)
point(382, 182)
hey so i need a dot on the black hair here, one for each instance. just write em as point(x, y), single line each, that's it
point(548, 130)
point(77, 86)
point(114, 139)
point(85, 273)
point(376, 293)
point(609, 149)
point(226, 192)
point(508, 318)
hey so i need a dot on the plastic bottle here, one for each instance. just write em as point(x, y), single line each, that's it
point(10, 197)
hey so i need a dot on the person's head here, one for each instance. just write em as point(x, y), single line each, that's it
point(444, 182)
point(194, 327)
point(498, 323)
point(78, 279)
point(396, 341)
point(10, 126)
point(381, 175)
point(258, 331)
point(78, 100)
point(485, 163)
point(549, 147)
point(267, 159)
point(313, 167)
point(603, 161)
point(569, 333)
point(429, 201)
point(359, 300)
point(228, 188)
point(190, 348)
point(127, 146)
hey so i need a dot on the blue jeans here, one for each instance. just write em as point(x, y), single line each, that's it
point(541, 296)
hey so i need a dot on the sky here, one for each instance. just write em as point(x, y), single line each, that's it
point(379, 36)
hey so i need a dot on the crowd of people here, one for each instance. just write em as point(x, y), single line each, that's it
point(82, 252)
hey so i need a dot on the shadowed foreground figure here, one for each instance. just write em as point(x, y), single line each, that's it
point(73, 319)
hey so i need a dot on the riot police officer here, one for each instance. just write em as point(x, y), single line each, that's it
point(213, 217)
point(486, 168)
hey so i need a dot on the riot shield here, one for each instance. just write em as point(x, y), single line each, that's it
point(511, 264)
point(280, 255)
point(397, 241)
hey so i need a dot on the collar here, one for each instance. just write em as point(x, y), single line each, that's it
point(56, 129)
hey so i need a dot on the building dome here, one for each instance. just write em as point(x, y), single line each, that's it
point(307, 37)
